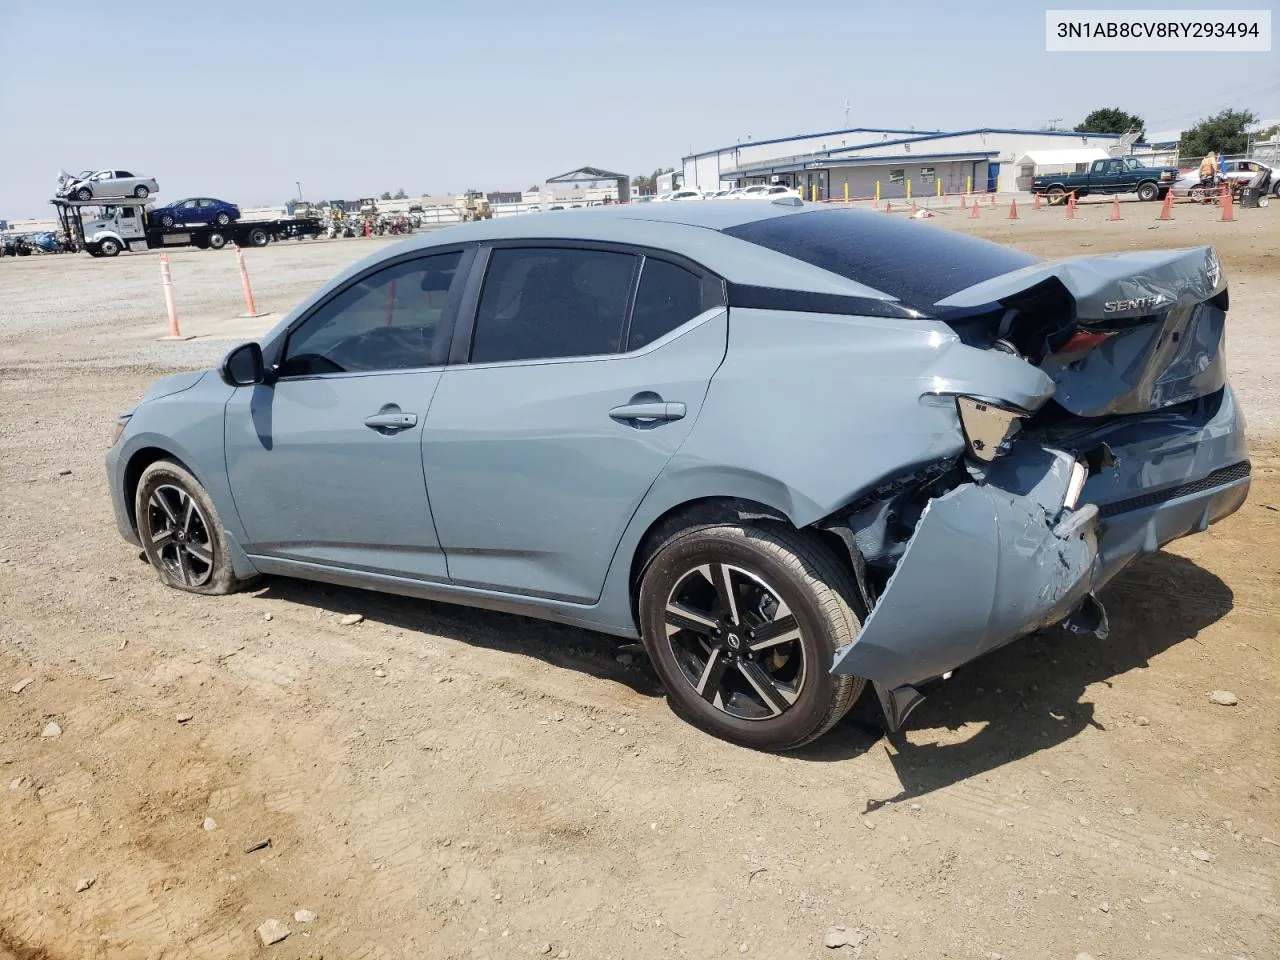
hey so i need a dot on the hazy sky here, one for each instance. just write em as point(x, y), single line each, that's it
point(241, 99)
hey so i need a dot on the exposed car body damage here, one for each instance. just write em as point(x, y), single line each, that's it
point(1132, 345)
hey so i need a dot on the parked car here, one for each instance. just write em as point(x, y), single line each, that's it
point(766, 191)
point(193, 210)
point(1114, 175)
point(107, 184)
point(686, 193)
point(795, 449)
point(1242, 170)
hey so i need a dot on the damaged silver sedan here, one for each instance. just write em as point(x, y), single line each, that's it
point(796, 450)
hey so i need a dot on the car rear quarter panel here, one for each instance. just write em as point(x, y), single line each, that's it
point(819, 407)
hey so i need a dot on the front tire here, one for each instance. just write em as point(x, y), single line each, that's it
point(1148, 191)
point(742, 624)
point(84, 193)
point(108, 248)
point(216, 241)
point(166, 220)
point(181, 532)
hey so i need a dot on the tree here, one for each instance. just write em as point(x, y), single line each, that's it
point(400, 195)
point(1110, 120)
point(1223, 132)
point(1270, 133)
point(386, 195)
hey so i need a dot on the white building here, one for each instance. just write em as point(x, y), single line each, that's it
point(860, 158)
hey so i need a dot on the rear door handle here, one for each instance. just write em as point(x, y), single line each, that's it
point(391, 421)
point(655, 410)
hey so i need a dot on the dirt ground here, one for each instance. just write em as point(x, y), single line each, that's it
point(438, 782)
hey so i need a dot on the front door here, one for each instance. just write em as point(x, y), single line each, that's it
point(325, 462)
point(993, 177)
point(541, 444)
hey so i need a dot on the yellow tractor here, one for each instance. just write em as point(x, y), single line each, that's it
point(475, 206)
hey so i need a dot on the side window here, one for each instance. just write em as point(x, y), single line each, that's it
point(542, 303)
point(123, 175)
point(393, 319)
point(204, 203)
point(667, 297)
point(188, 205)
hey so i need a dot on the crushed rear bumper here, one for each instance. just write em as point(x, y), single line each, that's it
point(993, 561)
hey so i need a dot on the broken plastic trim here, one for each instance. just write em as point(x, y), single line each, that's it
point(987, 426)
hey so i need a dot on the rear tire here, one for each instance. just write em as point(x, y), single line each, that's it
point(222, 219)
point(216, 241)
point(1055, 194)
point(141, 192)
point(181, 532)
point(760, 677)
point(258, 237)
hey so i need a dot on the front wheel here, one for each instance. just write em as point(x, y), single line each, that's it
point(180, 531)
point(108, 248)
point(216, 241)
point(166, 220)
point(742, 624)
point(84, 193)
point(1148, 191)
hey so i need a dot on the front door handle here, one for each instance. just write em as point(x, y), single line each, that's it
point(658, 410)
point(391, 421)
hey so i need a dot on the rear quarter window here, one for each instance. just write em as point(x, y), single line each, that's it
point(914, 262)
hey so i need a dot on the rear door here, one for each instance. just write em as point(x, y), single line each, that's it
point(581, 371)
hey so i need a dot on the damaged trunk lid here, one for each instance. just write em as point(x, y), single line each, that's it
point(1119, 334)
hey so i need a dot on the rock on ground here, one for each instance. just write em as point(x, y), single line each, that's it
point(272, 931)
point(1224, 698)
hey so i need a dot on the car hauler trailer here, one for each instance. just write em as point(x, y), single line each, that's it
point(126, 224)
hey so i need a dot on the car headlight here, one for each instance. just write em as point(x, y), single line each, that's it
point(988, 427)
point(1166, 176)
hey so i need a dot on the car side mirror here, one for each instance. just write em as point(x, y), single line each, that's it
point(243, 366)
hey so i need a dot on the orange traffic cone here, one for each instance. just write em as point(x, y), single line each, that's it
point(993, 200)
point(1037, 204)
point(1166, 209)
point(1228, 205)
point(962, 203)
point(1071, 206)
point(913, 208)
point(973, 212)
point(888, 206)
point(1013, 209)
point(1115, 208)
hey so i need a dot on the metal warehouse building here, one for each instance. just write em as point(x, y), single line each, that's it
point(989, 159)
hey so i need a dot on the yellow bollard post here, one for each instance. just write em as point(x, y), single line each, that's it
point(846, 191)
point(813, 192)
point(968, 185)
point(908, 188)
point(939, 188)
point(877, 191)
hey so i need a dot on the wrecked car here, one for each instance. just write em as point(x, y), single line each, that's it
point(796, 450)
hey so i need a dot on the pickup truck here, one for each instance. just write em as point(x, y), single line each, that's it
point(1116, 175)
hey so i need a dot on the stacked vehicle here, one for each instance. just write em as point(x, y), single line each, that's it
point(125, 221)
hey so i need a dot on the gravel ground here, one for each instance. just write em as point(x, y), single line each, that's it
point(438, 782)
